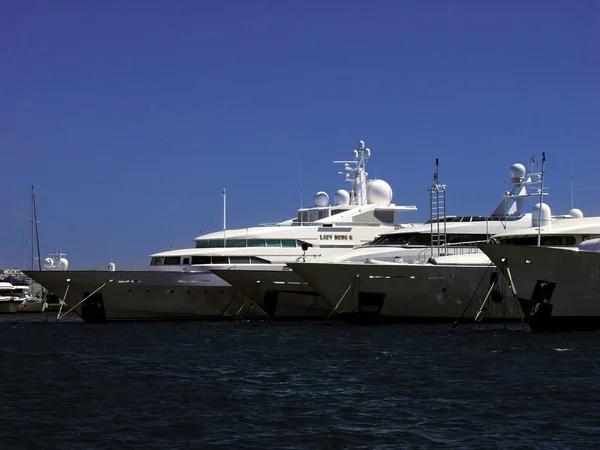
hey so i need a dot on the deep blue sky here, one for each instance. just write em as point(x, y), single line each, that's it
point(130, 117)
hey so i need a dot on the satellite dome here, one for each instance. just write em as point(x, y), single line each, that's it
point(63, 264)
point(541, 218)
point(341, 198)
point(321, 199)
point(576, 213)
point(378, 191)
point(517, 173)
point(48, 263)
point(111, 266)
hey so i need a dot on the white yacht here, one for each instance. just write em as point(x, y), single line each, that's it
point(555, 273)
point(15, 298)
point(424, 275)
point(180, 285)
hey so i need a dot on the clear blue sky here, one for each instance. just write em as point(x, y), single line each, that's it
point(130, 117)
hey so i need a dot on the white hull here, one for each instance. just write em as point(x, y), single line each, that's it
point(280, 292)
point(406, 292)
point(558, 288)
point(147, 295)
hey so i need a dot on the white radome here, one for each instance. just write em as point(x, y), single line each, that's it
point(379, 192)
point(544, 219)
point(517, 173)
point(321, 199)
point(341, 197)
point(48, 263)
point(576, 213)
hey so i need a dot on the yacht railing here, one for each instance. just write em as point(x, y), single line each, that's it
point(459, 248)
point(328, 224)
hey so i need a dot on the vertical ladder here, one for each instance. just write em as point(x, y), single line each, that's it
point(437, 214)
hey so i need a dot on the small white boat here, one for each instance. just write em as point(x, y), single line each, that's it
point(15, 298)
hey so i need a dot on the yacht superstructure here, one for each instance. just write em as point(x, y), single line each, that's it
point(179, 283)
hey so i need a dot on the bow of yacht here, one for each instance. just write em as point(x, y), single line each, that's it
point(555, 273)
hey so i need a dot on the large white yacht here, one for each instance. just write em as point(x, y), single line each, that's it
point(179, 284)
point(555, 273)
point(423, 275)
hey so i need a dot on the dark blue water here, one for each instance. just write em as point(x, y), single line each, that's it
point(297, 386)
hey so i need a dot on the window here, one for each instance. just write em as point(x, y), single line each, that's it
point(202, 243)
point(459, 238)
point(273, 243)
point(220, 260)
point(553, 240)
point(186, 260)
point(240, 260)
point(157, 261)
point(256, 243)
point(288, 243)
point(257, 260)
point(216, 243)
point(172, 260)
point(200, 259)
point(236, 242)
point(323, 213)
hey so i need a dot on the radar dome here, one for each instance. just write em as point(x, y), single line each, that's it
point(576, 213)
point(63, 264)
point(111, 267)
point(321, 199)
point(341, 198)
point(48, 263)
point(517, 173)
point(378, 191)
point(541, 215)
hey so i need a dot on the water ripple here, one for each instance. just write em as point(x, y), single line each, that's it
point(250, 385)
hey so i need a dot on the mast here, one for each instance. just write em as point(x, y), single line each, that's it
point(37, 233)
point(357, 175)
point(539, 239)
point(301, 219)
point(32, 225)
point(572, 205)
point(224, 217)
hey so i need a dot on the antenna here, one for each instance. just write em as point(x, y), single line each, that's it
point(300, 157)
point(572, 205)
point(539, 240)
point(224, 217)
point(32, 223)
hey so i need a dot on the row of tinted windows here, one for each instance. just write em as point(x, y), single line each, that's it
point(220, 243)
point(186, 260)
point(425, 239)
point(476, 219)
point(545, 240)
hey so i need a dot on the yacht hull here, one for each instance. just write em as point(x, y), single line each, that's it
point(280, 292)
point(559, 289)
point(408, 293)
point(9, 306)
point(146, 295)
point(22, 306)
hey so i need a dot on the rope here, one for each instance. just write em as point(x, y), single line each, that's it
point(471, 299)
point(338, 303)
point(58, 317)
point(514, 291)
